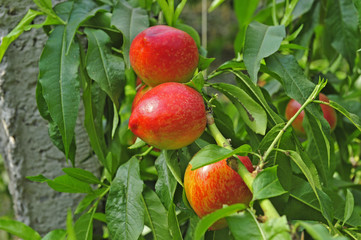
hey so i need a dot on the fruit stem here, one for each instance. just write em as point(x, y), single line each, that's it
point(217, 135)
point(266, 205)
point(268, 209)
point(309, 100)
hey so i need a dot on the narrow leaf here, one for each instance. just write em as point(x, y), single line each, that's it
point(211, 218)
point(173, 223)
point(82, 175)
point(166, 184)
point(349, 206)
point(130, 21)
point(173, 165)
point(104, 67)
point(81, 11)
point(352, 117)
point(58, 76)
point(39, 178)
point(323, 199)
point(58, 234)
point(244, 10)
point(244, 225)
point(342, 27)
point(17, 31)
point(267, 185)
point(70, 226)
point(46, 7)
point(261, 41)
point(251, 112)
point(277, 228)
point(319, 147)
point(68, 184)
point(124, 208)
point(84, 227)
point(18, 229)
point(155, 215)
point(93, 101)
point(213, 153)
point(318, 231)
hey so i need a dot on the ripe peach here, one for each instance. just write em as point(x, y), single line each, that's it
point(169, 116)
point(162, 54)
point(328, 112)
point(210, 187)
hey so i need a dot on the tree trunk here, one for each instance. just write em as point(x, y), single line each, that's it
point(24, 142)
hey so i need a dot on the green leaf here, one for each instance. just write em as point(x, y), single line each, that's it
point(39, 178)
point(191, 31)
point(211, 218)
point(124, 208)
point(298, 87)
point(68, 184)
point(301, 8)
point(256, 93)
point(342, 27)
point(349, 206)
point(58, 234)
point(213, 153)
point(17, 31)
point(18, 229)
point(352, 117)
point(267, 185)
point(41, 103)
point(167, 11)
point(197, 82)
point(85, 202)
point(84, 227)
point(244, 10)
point(130, 21)
point(173, 223)
point(57, 140)
point(70, 226)
point(244, 225)
point(155, 215)
point(277, 228)
point(166, 184)
point(93, 101)
point(100, 217)
point(178, 10)
point(82, 175)
point(138, 144)
point(46, 7)
point(319, 147)
point(104, 67)
point(204, 62)
point(304, 202)
point(173, 165)
point(251, 112)
point(215, 4)
point(318, 231)
point(261, 41)
point(323, 199)
point(81, 11)
point(295, 83)
point(58, 76)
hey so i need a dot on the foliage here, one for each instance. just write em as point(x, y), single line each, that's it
point(283, 50)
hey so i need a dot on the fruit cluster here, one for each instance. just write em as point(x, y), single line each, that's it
point(166, 113)
point(170, 115)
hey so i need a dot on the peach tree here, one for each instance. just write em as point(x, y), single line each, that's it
point(300, 187)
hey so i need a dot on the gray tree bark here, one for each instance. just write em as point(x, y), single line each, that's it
point(24, 141)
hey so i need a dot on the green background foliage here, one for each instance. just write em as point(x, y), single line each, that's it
point(282, 50)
